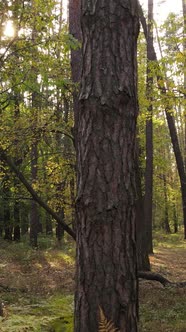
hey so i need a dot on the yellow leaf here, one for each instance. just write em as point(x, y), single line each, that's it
point(104, 324)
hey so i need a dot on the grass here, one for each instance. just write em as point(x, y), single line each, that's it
point(164, 309)
point(43, 287)
point(162, 240)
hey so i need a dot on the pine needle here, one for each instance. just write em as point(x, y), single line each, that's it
point(104, 324)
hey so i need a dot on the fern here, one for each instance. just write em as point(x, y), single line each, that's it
point(104, 324)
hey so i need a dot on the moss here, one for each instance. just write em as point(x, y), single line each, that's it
point(53, 314)
point(64, 324)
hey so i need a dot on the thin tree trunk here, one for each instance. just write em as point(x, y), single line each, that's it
point(179, 161)
point(48, 223)
point(166, 225)
point(18, 160)
point(24, 219)
point(34, 217)
point(17, 230)
point(73, 199)
point(59, 228)
point(76, 55)
point(7, 221)
point(171, 125)
point(184, 50)
point(149, 133)
point(175, 218)
point(1, 223)
point(36, 101)
point(142, 252)
point(106, 134)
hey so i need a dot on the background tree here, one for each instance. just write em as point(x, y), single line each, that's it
point(149, 134)
point(168, 91)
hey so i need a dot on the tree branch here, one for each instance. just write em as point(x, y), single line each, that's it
point(158, 277)
point(33, 193)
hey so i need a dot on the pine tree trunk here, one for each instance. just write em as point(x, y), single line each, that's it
point(149, 134)
point(59, 228)
point(6, 213)
point(184, 50)
point(106, 133)
point(171, 125)
point(142, 244)
point(76, 56)
point(34, 217)
point(35, 103)
point(179, 162)
point(166, 214)
point(24, 220)
point(48, 224)
point(17, 230)
point(73, 199)
point(175, 219)
point(7, 222)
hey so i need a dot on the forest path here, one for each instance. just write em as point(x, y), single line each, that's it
point(163, 309)
point(170, 262)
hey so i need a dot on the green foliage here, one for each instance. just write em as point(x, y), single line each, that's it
point(54, 314)
point(36, 107)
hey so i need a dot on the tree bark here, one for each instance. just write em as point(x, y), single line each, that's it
point(106, 134)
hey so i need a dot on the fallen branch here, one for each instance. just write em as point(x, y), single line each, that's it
point(158, 277)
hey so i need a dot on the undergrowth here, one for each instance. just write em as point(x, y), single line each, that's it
point(173, 240)
point(43, 287)
point(41, 315)
point(39, 295)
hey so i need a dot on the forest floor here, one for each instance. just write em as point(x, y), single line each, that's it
point(37, 286)
point(163, 309)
